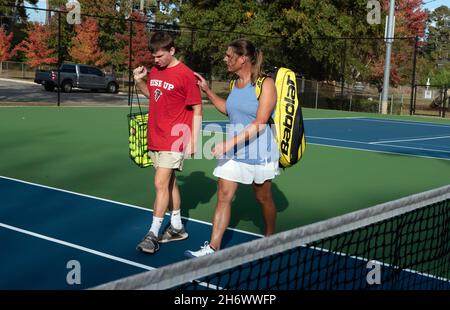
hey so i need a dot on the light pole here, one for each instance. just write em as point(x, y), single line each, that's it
point(389, 33)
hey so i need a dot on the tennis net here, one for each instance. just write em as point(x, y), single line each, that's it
point(403, 244)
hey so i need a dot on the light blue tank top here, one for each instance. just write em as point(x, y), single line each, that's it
point(241, 106)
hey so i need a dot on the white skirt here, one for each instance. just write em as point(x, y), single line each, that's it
point(240, 172)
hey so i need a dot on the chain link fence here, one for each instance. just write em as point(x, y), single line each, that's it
point(338, 77)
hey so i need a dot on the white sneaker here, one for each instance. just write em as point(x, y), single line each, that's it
point(204, 250)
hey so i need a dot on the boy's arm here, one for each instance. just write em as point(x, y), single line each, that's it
point(196, 126)
point(142, 86)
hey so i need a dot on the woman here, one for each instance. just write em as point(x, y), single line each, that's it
point(250, 154)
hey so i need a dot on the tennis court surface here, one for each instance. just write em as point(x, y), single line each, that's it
point(48, 233)
point(44, 230)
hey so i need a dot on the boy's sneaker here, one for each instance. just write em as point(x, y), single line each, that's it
point(204, 250)
point(172, 234)
point(149, 244)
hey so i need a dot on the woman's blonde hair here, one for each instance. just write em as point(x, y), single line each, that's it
point(244, 47)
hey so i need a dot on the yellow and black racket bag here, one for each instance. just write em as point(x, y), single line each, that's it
point(288, 118)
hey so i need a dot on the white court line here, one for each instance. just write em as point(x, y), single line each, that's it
point(380, 143)
point(407, 140)
point(78, 247)
point(369, 150)
point(333, 118)
point(305, 119)
point(377, 151)
point(120, 203)
point(403, 122)
point(340, 140)
point(380, 263)
point(414, 148)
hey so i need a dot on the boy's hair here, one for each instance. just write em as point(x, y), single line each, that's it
point(161, 40)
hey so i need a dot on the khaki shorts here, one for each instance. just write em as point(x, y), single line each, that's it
point(163, 159)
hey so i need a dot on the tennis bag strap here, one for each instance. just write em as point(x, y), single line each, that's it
point(288, 120)
point(135, 92)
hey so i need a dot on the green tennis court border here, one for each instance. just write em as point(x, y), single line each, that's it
point(85, 149)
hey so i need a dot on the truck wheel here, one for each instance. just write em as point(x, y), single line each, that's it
point(49, 87)
point(112, 88)
point(66, 87)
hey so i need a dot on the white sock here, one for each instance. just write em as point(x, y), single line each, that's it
point(156, 225)
point(175, 219)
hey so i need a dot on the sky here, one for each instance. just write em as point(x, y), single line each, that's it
point(39, 15)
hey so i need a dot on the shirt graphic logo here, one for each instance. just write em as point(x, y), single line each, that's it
point(158, 94)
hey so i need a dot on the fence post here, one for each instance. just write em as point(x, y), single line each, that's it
point(129, 62)
point(351, 97)
point(392, 102)
point(444, 101)
point(401, 105)
point(317, 92)
point(412, 105)
point(379, 104)
point(343, 59)
point(59, 59)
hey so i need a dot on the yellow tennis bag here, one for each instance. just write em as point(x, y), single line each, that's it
point(288, 119)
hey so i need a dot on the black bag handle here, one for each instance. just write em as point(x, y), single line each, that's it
point(134, 91)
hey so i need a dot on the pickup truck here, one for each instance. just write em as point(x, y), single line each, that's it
point(79, 76)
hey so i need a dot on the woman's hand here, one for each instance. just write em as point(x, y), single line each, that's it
point(201, 82)
point(221, 148)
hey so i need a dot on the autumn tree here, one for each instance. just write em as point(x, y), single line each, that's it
point(35, 47)
point(5, 44)
point(140, 55)
point(410, 21)
point(85, 47)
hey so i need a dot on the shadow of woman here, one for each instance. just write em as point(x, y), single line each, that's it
point(245, 207)
point(195, 189)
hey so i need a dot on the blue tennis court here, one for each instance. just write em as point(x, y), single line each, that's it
point(376, 135)
point(44, 230)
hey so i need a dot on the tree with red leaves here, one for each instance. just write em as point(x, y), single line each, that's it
point(140, 54)
point(410, 21)
point(5, 45)
point(35, 46)
point(85, 48)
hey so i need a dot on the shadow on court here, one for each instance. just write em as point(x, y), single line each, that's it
point(197, 188)
point(245, 207)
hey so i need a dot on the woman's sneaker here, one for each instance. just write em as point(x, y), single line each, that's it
point(204, 250)
point(172, 234)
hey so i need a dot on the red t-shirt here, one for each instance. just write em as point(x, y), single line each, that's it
point(173, 91)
